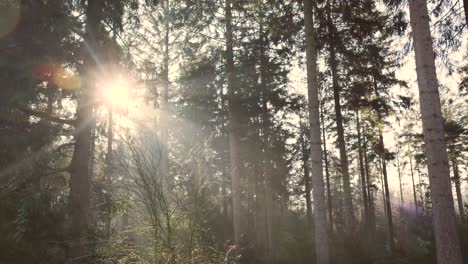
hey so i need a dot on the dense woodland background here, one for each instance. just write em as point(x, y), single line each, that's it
point(180, 131)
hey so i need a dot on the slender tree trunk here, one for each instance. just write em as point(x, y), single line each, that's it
point(445, 230)
point(383, 195)
point(269, 198)
point(226, 180)
point(391, 233)
point(305, 166)
point(109, 167)
point(348, 201)
point(399, 178)
point(369, 190)
point(320, 217)
point(260, 216)
point(234, 142)
point(362, 172)
point(456, 179)
point(327, 170)
point(412, 179)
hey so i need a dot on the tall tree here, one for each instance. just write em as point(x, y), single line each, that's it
point(362, 172)
point(445, 230)
point(326, 160)
point(332, 38)
point(320, 217)
point(233, 108)
point(79, 171)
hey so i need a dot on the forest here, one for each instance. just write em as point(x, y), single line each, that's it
point(234, 131)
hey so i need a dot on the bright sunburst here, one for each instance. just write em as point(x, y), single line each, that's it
point(115, 92)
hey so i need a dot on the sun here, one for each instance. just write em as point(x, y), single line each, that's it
point(115, 92)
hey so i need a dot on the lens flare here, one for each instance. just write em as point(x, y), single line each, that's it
point(57, 75)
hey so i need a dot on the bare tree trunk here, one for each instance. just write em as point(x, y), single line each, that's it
point(109, 167)
point(327, 170)
point(225, 180)
point(383, 195)
point(456, 179)
point(305, 166)
point(399, 177)
point(383, 157)
point(445, 230)
point(234, 143)
point(412, 179)
point(269, 196)
point(320, 217)
point(369, 190)
point(363, 174)
point(391, 233)
point(348, 201)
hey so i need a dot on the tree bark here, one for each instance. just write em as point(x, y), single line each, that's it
point(445, 230)
point(320, 217)
point(234, 142)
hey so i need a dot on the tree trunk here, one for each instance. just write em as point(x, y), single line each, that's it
point(327, 170)
point(79, 170)
point(269, 196)
point(391, 234)
point(234, 142)
point(362, 173)
point(320, 217)
point(445, 230)
point(412, 179)
point(344, 165)
point(456, 179)
point(383, 194)
point(225, 181)
point(369, 191)
point(399, 178)
point(305, 166)
point(109, 168)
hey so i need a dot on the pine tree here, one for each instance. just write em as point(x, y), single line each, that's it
point(446, 236)
point(320, 218)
